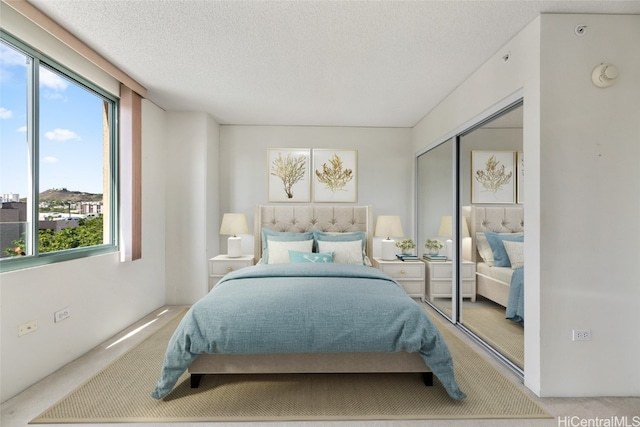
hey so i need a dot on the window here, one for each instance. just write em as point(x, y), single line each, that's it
point(57, 161)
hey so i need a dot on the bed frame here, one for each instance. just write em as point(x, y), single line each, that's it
point(500, 220)
point(301, 218)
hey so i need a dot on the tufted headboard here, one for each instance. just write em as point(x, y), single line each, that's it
point(496, 219)
point(302, 218)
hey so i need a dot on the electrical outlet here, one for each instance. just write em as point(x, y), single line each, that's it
point(27, 328)
point(59, 316)
point(581, 335)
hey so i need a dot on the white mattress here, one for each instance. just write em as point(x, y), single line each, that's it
point(502, 274)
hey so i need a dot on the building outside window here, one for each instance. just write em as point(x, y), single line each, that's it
point(57, 161)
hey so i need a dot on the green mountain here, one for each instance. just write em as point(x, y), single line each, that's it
point(64, 195)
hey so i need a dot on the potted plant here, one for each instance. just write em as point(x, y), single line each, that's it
point(433, 246)
point(406, 245)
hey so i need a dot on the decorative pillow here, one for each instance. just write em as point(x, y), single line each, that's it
point(341, 237)
point(500, 257)
point(515, 251)
point(344, 252)
point(280, 236)
point(279, 251)
point(484, 249)
point(297, 256)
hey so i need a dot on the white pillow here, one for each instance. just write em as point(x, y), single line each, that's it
point(515, 252)
point(484, 249)
point(343, 252)
point(279, 251)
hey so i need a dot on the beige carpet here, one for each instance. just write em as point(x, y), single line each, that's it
point(489, 324)
point(121, 393)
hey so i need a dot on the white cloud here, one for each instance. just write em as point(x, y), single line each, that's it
point(51, 80)
point(5, 114)
point(61, 135)
point(52, 95)
point(22, 129)
point(50, 159)
point(9, 57)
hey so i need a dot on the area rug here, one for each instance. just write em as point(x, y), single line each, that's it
point(122, 393)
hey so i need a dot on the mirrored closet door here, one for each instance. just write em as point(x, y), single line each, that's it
point(435, 170)
point(491, 158)
point(469, 202)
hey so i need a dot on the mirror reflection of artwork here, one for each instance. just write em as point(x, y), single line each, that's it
point(493, 177)
point(289, 175)
point(335, 175)
point(520, 181)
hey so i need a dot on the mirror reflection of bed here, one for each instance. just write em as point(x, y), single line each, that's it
point(497, 315)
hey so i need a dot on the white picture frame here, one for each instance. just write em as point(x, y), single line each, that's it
point(288, 173)
point(493, 177)
point(335, 175)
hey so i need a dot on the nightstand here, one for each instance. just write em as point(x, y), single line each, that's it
point(222, 264)
point(410, 274)
point(439, 276)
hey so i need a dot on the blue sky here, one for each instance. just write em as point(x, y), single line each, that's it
point(71, 137)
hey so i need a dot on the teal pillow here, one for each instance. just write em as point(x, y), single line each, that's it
point(500, 256)
point(297, 256)
point(280, 236)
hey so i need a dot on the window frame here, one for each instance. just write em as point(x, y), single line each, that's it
point(33, 119)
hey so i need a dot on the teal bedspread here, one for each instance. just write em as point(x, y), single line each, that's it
point(515, 302)
point(306, 308)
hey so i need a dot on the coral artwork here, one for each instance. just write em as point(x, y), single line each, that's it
point(288, 174)
point(290, 170)
point(493, 177)
point(334, 176)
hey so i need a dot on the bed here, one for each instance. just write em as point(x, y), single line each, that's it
point(307, 317)
point(503, 283)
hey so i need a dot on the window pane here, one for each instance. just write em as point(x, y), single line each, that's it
point(15, 164)
point(73, 164)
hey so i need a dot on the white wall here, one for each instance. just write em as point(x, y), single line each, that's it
point(384, 167)
point(583, 182)
point(192, 206)
point(590, 194)
point(103, 294)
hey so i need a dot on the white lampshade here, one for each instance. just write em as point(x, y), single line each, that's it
point(233, 224)
point(446, 230)
point(446, 227)
point(388, 226)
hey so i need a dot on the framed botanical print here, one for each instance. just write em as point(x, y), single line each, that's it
point(335, 175)
point(493, 177)
point(289, 174)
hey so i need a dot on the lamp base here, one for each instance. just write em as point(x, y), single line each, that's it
point(449, 244)
point(388, 249)
point(234, 247)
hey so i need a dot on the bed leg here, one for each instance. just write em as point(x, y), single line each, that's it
point(195, 380)
point(427, 378)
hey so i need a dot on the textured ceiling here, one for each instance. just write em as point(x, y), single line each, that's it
point(326, 63)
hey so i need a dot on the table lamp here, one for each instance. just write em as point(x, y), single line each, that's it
point(388, 226)
point(446, 230)
point(233, 224)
